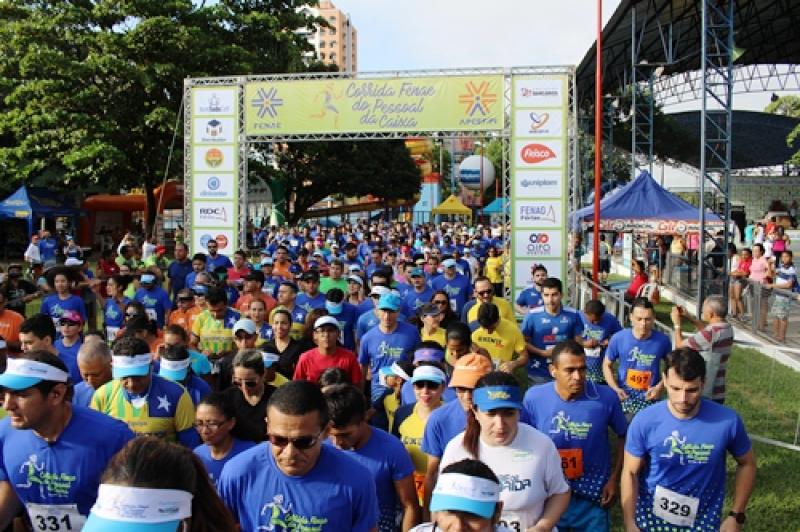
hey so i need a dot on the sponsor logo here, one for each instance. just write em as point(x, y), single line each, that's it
point(537, 213)
point(525, 183)
point(213, 188)
point(213, 213)
point(213, 183)
point(214, 128)
point(527, 92)
point(562, 424)
point(536, 153)
point(500, 394)
point(214, 105)
point(538, 121)
point(538, 244)
point(214, 157)
point(222, 241)
point(477, 99)
point(267, 102)
point(679, 448)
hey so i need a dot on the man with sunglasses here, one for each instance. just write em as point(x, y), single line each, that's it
point(484, 293)
point(214, 260)
point(292, 479)
point(419, 294)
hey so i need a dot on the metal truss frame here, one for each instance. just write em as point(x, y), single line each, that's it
point(715, 135)
point(642, 106)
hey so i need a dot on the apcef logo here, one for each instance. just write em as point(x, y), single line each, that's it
point(538, 121)
point(536, 153)
point(214, 157)
point(478, 99)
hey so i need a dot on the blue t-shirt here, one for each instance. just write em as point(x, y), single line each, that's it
point(379, 349)
point(686, 456)
point(212, 263)
point(332, 496)
point(366, 321)
point(156, 303)
point(544, 330)
point(189, 280)
point(347, 325)
point(310, 303)
point(271, 285)
point(639, 364)
point(387, 460)
point(365, 306)
point(47, 249)
point(530, 297)
point(54, 307)
point(177, 272)
point(83, 394)
point(69, 356)
point(68, 470)
point(413, 300)
point(443, 425)
point(582, 427)
point(197, 388)
point(458, 289)
point(607, 327)
point(113, 316)
point(213, 465)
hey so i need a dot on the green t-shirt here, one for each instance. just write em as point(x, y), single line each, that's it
point(326, 283)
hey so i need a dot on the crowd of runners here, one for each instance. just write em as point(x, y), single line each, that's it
point(367, 377)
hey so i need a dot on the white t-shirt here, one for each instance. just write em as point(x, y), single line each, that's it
point(32, 254)
point(430, 527)
point(529, 469)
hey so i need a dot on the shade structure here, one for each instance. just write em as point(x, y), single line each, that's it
point(25, 204)
point(452, 205)
point(497, 206)
point(644, 206)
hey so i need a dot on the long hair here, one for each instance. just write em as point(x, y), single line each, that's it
point(148, 462)
point(472, 435)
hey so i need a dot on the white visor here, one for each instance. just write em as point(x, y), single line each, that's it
point(22, 367)
point(135, 361)
point(176, 365)
point(141, 505)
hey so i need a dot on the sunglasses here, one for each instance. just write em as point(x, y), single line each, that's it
point(247, 384)
point(131, 314)
point(440, 302)
point(426, 384)
point(484, 293)
point(301, 443)
point(69, 323)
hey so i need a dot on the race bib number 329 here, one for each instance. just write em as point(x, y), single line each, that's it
point(674, 508)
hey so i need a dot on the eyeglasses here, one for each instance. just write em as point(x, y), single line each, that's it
point(247, 384)
point(210, 425)
point(69, 323)
point(440, 302)
point(301, 443)
point(426, 384)
point(484, 293)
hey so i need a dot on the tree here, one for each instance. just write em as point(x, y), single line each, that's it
point(312, 171)
point(789, 106)
point(92, 88)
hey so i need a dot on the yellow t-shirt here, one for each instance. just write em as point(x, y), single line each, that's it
point(502, 343)
point(438, 336)
point(216, 336)
point(411, 429)
point(494, 269)
point(279, 380)
point(506, 312)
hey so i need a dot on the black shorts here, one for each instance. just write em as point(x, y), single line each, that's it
point(605, 265)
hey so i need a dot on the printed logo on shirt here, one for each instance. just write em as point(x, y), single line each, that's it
point(563, 424)
point(513, 483)
point(385, 350)
point(283, 518)
point(679, 448)
point(642, 359)
point(50, 484)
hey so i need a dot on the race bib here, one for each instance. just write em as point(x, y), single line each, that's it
point(151, 314)
point(419, 485)
point(674, 508)
point(572, 462)
point(453, 305)
point(512, 521)
point(592, 352)
point(638, 379)
point(55, 517)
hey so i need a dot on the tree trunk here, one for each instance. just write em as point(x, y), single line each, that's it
point(151, 206)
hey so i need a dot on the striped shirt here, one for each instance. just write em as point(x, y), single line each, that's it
point(714, 343)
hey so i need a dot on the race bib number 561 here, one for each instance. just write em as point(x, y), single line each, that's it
point(674, 508)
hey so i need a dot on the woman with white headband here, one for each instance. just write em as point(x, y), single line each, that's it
point(155, 486)
point(466, 497)
point(533, 488)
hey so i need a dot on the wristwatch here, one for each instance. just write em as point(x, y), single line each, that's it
point(739, 516)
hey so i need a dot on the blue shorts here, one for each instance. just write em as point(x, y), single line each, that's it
point(582, 514)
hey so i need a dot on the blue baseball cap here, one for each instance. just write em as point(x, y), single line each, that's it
point(465, 493)
point(492, 397)
point(22, 373)
point(130, 509)
point(390, 302)
point(416, 272)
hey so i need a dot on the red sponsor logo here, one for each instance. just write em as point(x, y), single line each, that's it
point(222, 241)
point(536, 153)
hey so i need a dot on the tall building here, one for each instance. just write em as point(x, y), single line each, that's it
point(338, 44)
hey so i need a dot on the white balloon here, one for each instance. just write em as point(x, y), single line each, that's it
point(469, 172)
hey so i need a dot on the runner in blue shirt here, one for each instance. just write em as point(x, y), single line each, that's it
point(53, 453)
point(293, 480)
point(310, 298)
point(271, 281)
point(55, 304)
point(545, 327)
point(457, 286)
point(531, 297)
point(345, 314)
point(382, 454)
point(369, 319)
point(639, 351)
point(69, 342)
point(175, 364)
point(577, 418)
point(419, 294)
point(598, 327)
point(47, 249)
point(155, 299)
point(673, 477)
point(178, 269)
point(387, 343)
point(214, 260)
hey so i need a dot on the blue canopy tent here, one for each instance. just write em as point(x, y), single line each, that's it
point(496, 207)
point(644, 206)
point(28, 205)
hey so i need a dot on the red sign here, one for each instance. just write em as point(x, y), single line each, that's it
point(536, 153)
point(222, 241)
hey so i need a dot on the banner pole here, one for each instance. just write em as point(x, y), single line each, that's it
point(598, 147)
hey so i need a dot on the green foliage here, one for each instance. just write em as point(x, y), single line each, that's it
point(90, 90)
point(789, 106)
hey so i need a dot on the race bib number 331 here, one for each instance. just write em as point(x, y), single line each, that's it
point(55, 517)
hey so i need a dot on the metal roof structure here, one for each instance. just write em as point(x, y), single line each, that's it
point(668, 33)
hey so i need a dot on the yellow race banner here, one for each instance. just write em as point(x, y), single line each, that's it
point(362, 105)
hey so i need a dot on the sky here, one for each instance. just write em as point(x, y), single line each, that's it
point(433, 34)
